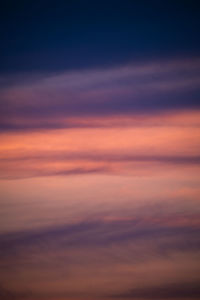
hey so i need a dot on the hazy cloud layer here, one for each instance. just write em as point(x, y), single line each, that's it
point(99, 150)
point(182, 290)
point(50, 101)
point(114, 248)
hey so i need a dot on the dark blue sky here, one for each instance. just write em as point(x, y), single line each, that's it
point(60, 35)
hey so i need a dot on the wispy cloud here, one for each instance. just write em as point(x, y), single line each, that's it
point(107, 230)
point(60, 255)
point(180, 290)
point(50, 100)
point(108, 150)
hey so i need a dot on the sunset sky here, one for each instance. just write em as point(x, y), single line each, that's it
point(99, 150)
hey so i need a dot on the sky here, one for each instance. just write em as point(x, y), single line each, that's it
point(99, 150)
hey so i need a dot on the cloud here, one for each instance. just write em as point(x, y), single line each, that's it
point(117, 150)
point(60, 261)
point(179, 232)
point(181, 290)
point(50, 101)
point(67, 164)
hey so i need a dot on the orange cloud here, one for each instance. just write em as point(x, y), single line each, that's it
point(108, 149)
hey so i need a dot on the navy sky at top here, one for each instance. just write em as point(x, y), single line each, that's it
point(63, 35)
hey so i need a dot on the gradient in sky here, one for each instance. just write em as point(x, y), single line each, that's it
point(99, 150)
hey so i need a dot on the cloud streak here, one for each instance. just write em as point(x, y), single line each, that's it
point(113, 150)
point(182, 290)
point(51, 101)
point(122, 246)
